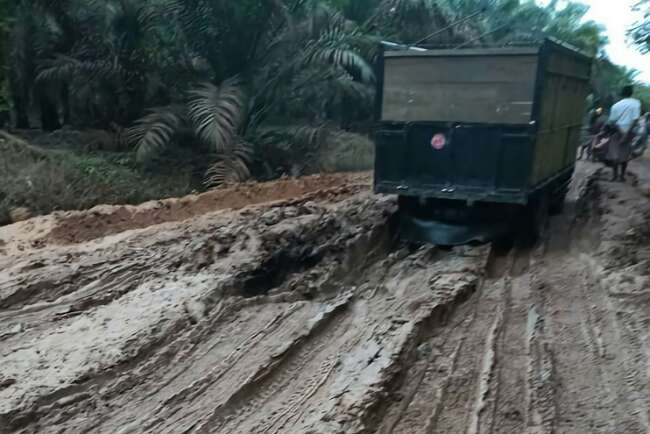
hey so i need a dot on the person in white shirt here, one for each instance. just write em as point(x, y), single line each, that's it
point(625, 115)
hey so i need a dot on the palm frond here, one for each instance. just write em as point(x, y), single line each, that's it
point(333, 40)
point(364, 93)
point(131, 18)
point(63, 68)
point(22, 51)
point(231, 167)
point(153, 133)
point(291, 136)
point(407, 21)
point(195, 17)
point(50, 4)
point(49, 36)
point(292, 148)
point(340, 56)
point(308, 136)
point(217, 112)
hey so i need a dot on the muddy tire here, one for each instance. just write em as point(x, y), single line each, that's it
point(534, 220)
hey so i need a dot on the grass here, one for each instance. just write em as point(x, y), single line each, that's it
point(46, 180)
point(347, 152)
point(61, 173)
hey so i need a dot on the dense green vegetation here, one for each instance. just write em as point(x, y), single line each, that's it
point(243, 82)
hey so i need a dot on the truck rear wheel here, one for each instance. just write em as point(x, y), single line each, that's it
point(535, 218)
point(557, 205)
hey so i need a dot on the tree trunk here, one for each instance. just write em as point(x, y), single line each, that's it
point(49, 115)
point(20, 98)
point(5, 118)
point(65, 102)
point(22, 117)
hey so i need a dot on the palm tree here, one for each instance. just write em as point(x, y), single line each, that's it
point(5, 30)
point(101, 66)
point(301, 65)
point(640, 32)
point(243, 81)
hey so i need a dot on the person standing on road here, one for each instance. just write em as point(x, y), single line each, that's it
point(624, 115)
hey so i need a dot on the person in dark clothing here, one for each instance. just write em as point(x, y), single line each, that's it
point(597, 119)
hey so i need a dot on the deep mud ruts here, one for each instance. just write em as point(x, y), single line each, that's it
point(309, 316)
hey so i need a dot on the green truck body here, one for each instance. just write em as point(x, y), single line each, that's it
point(477, 126)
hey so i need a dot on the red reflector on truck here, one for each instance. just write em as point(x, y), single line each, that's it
point(438, 142)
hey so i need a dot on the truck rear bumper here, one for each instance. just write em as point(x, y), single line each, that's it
point(467, 193)
point(463, 193)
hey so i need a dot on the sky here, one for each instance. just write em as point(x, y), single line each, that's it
point(617, 16)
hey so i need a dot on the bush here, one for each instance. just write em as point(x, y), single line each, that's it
point(347, 152)
point(48, 180)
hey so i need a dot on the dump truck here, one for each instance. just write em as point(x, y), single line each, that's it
point(475, 141)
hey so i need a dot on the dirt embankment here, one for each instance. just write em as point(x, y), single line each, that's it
point(80, 226)
point(204, 323)
point(306, 315)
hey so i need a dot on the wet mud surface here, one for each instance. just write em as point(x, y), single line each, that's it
point(303, 313)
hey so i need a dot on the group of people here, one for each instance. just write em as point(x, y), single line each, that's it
point(619, 137)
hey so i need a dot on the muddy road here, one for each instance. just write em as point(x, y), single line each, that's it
point(291, 307)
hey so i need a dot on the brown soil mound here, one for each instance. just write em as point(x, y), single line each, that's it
point(100, 221)
point(80, 226)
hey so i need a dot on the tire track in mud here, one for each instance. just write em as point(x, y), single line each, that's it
point(598, 370)
point(229, 397)
point(292, 394)
point(284, 395)
point(585, 369)
point(283, 386)
point(425, 392)
point(194, 362)
point(107, 287)
point(166, 333)
point(493, 369)
point(288, 394)
point(405, 340)
point(603, 386)
point(457, 374)
point(345, 362)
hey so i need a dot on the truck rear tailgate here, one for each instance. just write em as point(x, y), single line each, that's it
point(454, 160)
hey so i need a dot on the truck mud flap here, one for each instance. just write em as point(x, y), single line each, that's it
point(450, 234)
